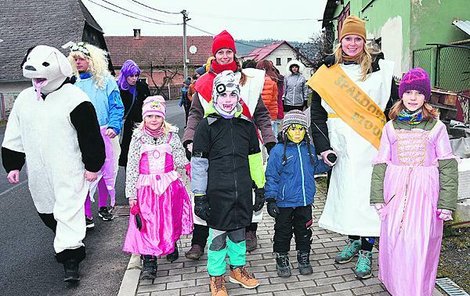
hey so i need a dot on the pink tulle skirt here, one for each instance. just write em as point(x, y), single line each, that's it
point(411, 233)
point(165, 218)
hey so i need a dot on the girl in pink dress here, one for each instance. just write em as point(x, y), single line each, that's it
point(414, 189)
point(160, 206)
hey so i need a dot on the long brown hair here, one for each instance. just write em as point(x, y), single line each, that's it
point(428, 111)
point(364, 60)
point(269, 68)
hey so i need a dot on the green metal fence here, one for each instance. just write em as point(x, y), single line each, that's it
point(449, 65)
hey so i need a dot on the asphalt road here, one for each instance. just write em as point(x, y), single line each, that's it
point(27, 263)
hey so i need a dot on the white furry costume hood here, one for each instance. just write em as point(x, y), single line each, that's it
point(47, 67)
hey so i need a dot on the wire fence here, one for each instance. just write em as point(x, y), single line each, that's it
point(449, 65)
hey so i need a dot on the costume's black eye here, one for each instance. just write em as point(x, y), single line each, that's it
point(220, 88)
point(45, 64)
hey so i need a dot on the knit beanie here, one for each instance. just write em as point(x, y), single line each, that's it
point(353, 25)
point(294, 117)
point(223, 40)
point(416, 79)
point(154, 105)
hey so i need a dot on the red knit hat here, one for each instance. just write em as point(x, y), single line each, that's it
point(223, 40)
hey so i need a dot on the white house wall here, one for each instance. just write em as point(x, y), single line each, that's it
point(284, 52)
point(392, 43)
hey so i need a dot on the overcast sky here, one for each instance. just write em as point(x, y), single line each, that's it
point(291, 20)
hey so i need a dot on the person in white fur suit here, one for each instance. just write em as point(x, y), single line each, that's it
point(54, 129)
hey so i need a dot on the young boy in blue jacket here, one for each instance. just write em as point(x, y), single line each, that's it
point(289, 191)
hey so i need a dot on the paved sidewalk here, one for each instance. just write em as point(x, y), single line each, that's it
point(187, 277)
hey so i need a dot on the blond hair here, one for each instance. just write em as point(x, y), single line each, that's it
point(365, 60)
point(167, 127)
point(428, 111)
point(98, 63)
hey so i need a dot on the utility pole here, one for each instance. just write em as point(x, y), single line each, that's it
point(185, 46)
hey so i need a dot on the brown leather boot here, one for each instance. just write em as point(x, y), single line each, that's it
point(241, 276)
point(218, 286)
point(195, 253)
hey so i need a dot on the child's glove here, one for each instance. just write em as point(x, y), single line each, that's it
point(329, 157)
point(201, 207)
point(444, 214)
point(259, 199)
point(187, 168)
point(273, 210)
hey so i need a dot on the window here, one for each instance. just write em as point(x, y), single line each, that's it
point(278, 61)
point(289, 59)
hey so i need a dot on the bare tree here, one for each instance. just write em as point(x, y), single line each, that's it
point(169, 74)
point(317, 48)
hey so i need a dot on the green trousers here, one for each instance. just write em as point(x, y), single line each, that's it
point(223, 243)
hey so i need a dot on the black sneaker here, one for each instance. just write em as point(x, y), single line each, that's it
point(173, 256)
point(283, 265)
point(105, 214)
point(71, 274)
point(90, 225)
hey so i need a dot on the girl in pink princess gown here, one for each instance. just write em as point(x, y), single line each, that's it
point(160, 205)
point(414, 189)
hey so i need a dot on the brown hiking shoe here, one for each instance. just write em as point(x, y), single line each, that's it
point(251, 241)
point(195, 253)
point(241, 276)
point(218, 286)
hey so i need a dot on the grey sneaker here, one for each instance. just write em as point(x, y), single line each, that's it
point(303, 259)
point(363, 269)
point(348, 252)
point(283, 265)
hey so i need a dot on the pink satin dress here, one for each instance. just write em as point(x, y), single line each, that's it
point(411, 233)
point(165, 206)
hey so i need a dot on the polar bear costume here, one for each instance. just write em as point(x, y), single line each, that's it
point(53, 127)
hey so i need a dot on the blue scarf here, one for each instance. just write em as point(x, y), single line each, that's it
point(85, 75)
point(409, 117)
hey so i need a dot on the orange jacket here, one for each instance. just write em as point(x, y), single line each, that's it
point(269, 95)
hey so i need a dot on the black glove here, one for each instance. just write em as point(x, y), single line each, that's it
point(201, 207)
point(138, 222)
point(273, 210)
point(329, 60)
point(188, 153)
point(259, 199)
point(269, 146)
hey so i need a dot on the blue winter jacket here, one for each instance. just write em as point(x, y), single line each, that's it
point(292, 184)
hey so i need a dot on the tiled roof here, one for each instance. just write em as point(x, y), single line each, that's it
point(28, 23)
point(158, 50)
point(260, 53)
